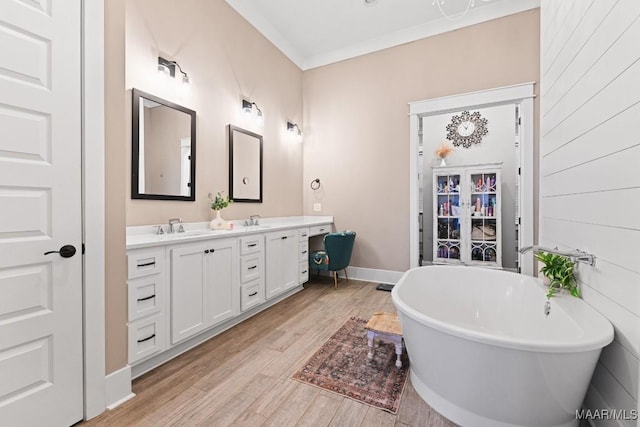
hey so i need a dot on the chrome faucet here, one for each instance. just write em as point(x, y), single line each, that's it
point(172, 223)
point(253, 220)
point(575, 255)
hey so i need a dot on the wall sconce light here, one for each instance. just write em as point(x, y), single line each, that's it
point(168, 68)
point(294, 129)
point(247, 109)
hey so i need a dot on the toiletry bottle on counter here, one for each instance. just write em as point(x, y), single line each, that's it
point(441, 210)
point(478, 205)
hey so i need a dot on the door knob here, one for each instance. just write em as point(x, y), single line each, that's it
point(67, 251)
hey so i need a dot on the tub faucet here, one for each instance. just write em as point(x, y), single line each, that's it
point(575, 255)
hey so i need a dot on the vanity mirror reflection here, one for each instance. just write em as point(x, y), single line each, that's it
point(245, 165)
point(163, 158)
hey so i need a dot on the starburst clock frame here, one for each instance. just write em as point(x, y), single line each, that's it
point(467, 128)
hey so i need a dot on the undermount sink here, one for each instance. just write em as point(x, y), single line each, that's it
point(194, 233)
point(256, 227)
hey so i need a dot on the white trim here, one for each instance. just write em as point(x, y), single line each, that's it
point(368, 275)
point(95, 394)
point(527, 204)
point(255, 18)
point(118, 387)
point(384, 41)
point(414, 238)
point(521, 94)
point(428, 29)
point(477, 99)
point(373, 275)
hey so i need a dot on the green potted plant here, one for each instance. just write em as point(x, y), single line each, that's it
point(559, 270)
point(217, 204)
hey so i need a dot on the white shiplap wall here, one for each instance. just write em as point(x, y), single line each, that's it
point(590, 171)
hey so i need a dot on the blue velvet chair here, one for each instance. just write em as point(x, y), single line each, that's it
point(336, 254)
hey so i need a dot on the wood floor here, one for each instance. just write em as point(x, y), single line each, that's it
point(242, 377)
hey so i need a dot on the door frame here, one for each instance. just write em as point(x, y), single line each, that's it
point(93, 205)
point(521, 94)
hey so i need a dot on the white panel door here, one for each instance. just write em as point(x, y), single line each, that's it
point(40, 211)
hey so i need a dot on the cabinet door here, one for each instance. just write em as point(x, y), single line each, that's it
point(281, 261)
point(290, 263)
point(222, 280)
point(448, 214)
point(188, 291)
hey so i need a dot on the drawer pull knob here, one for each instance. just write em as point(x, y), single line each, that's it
point(253, 294)
point(146, 298)
point(283, 237)
point(322, 229)
point(212, 250)
point(252, 245)
point(304, 252)
point(147, 264)
point(304, 272)
point(147, 339)
point(206, 251)
point(252, 267)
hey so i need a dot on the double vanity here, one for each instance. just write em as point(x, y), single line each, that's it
point(185, 287)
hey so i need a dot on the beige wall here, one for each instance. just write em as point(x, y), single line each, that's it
point(226, 59)
point(115, 188)
point(355, 121)
point(357, 124)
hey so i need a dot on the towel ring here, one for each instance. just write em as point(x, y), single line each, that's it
point(315, 184)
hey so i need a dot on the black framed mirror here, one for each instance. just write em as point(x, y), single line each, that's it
point(163, 157)
point(245, 165)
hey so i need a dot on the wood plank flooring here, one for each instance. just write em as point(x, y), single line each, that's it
point(242, 377)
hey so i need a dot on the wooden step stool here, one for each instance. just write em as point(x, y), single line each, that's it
point(385, 327)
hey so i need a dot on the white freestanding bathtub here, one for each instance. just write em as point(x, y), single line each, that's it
point(483, 352)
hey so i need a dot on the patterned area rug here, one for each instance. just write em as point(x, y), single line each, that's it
point(341, 366)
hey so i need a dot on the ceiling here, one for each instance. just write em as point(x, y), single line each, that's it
point(320, 32)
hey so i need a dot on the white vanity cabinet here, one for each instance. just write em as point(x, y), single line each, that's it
point(186, 288)
point(146, 315)
point(282, 261)
point(251, 271)
point(303, 255)
point(204, 286)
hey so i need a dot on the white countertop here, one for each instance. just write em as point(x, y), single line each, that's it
point(144, 236)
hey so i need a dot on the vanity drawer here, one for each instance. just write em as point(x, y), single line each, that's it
point(251, 295)
point(319, 229)
point(146, 337)
point(251, 244)
point(303, 272)
point(145, 263)
point(251, 267)
point(303, 234)
point(145, 296)
point(303, 251)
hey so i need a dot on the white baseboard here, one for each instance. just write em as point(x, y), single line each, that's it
point(373, 275)
point(118, 387)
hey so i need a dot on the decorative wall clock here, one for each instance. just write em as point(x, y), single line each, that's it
point(467, 128)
